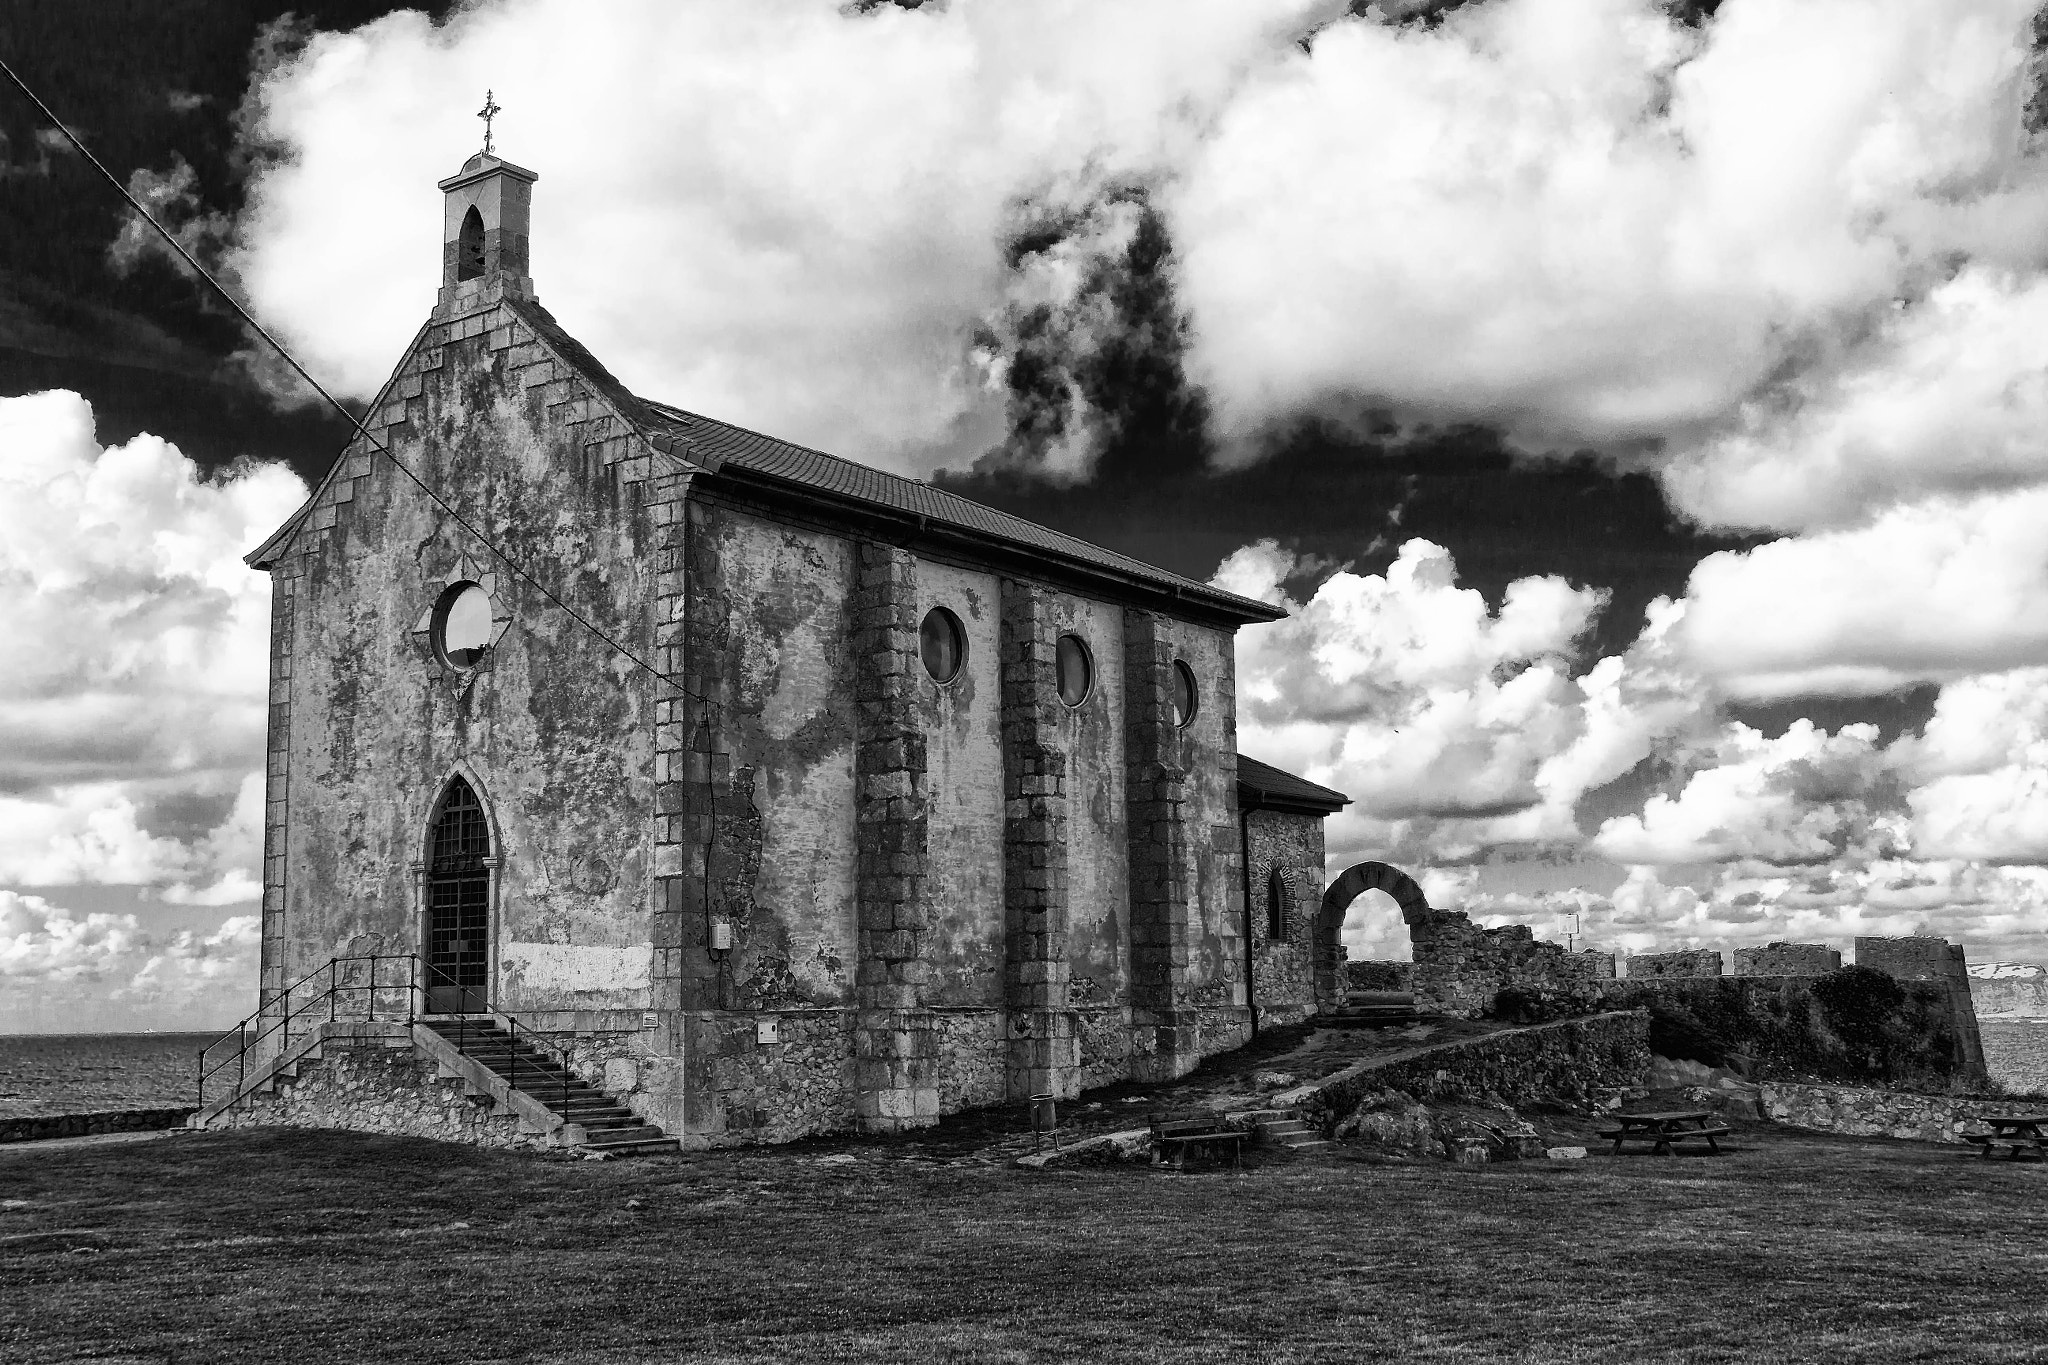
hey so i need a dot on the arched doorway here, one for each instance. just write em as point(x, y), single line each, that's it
point(1354, 882)
point(458, 904)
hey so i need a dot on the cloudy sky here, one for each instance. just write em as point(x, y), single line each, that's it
point(1642, 407)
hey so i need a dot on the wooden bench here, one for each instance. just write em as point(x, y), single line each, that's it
point(1987, 1143)
point(1175, 1133)
point(1663, 1129)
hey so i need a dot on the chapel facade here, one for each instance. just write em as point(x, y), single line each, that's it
point(801, 796)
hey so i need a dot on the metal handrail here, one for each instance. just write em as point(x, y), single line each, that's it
point(514, 1030)
point(281, 1012)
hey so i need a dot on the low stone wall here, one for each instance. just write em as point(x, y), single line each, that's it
point(35, 1127)
point(1568, 1062)
point(1860, 1111)
point(366, 1086)
point(972, 1062)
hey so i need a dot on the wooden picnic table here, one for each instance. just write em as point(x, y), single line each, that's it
point(2015, 1132)
point(1664, 1127)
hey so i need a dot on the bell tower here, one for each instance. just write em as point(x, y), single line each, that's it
point(488, 208)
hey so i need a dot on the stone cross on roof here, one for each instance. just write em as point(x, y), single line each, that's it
point(487, 113)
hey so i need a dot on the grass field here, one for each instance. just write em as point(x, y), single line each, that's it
point(330, 1248)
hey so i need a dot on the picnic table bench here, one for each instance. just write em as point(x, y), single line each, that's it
point(2015, 1132)
point(1174, 1133)
point(1664, 1127)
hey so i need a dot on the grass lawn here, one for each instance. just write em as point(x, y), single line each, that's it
point(330, 1247)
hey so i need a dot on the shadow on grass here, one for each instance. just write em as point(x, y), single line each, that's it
point(261, 1245)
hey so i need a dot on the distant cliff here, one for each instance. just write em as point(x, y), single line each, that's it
point(2010, 989)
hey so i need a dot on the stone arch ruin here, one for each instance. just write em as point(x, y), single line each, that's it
point(1459, 967)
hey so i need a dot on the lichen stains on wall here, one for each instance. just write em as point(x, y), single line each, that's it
point(1099, 856)
point(788, 725)
point(554, 730)
point(962, 722)
point(1209, 755)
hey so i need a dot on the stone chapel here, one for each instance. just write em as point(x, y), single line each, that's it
point(791, 796)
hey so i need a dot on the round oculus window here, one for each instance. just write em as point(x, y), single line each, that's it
point(1074, 670)
point(942, 644)
point(1184, 697)
point(462, 624)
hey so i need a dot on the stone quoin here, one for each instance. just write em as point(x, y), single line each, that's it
point(788, 795)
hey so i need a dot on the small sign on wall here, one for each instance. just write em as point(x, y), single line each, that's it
point(767, 1030)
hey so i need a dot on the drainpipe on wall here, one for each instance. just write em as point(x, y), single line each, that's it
point(1244, 858)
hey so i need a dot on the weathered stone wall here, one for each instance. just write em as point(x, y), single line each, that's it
point(1098, 842)
point(1855, 1026)
point(1863, 1112)
point(1283, 966)
point(1589, 965)
point(1787, 959)
point(554, 731)
point(895, 1047)
point(962, 724)
point(1566, 1062)
point(366, 1087)
point(1664, 966)
point(1163, 1029)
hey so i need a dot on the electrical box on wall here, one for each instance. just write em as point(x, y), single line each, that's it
point(721, 937)
point(767, 1030)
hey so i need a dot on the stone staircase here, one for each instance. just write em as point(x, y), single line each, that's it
point(593, 1122)
point(1371, 1009)
point(1279, 1130)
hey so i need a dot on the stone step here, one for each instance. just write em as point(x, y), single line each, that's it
point(1273, 1132)
point(1297, 1141)
point(632, 1146)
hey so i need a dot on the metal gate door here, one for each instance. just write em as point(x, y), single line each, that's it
point(459, 906)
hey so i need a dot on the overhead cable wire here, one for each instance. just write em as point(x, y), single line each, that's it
point(319, 388)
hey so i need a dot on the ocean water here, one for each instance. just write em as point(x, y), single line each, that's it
point(81, 1073)
point(2016, 1053)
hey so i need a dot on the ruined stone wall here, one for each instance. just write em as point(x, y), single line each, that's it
point(1936, 960)
point(1570, 1061)
point(1854, 1026)
point(553, 729)
point(1283, 968)
point(1686, 964)
point(1379, 976)
point(366, 1087)
point(1787, 959)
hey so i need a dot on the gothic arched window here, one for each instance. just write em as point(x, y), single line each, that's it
point(1276, 907)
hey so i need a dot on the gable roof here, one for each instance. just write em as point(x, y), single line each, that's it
point(770, 466)
point(1261, 786)
point(785, 473)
